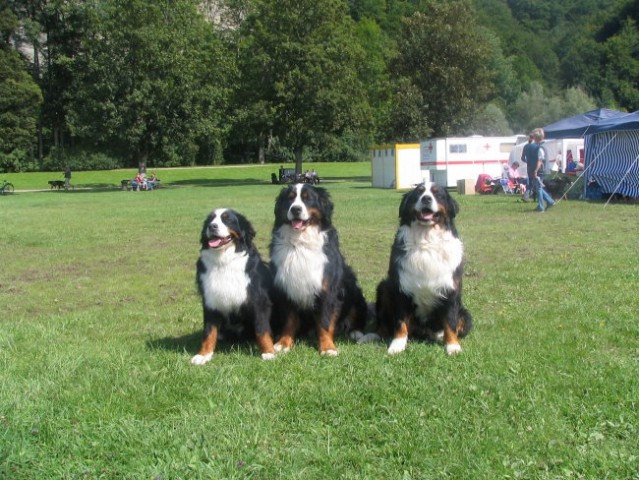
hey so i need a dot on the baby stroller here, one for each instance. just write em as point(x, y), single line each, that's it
point(486, 184)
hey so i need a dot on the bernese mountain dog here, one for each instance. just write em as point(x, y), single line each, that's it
point(422, 295)
point(313, 287)
point(234, 284)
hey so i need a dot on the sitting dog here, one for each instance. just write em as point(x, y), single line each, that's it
point(313, 286)
point(422, 295)
point(56, 184)
point(234, 284)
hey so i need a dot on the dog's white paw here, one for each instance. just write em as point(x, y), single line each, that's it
point(398, 345)
point(329, 353)
point(268, 356)
point(369, 338)
point(201, 359)
point(280, 349)
point(453, 348)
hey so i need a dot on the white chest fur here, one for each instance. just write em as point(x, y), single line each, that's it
point(224, 279)
point(299, 260)
point(432, 256)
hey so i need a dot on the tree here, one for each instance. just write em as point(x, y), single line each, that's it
point(488, 121)
point(622, 64)
point(20, 100)
point(300, 74)
point(152, 81)
point(536, 108)
point(444, 55)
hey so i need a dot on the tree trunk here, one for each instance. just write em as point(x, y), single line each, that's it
point(298, 160)
point(36, 78)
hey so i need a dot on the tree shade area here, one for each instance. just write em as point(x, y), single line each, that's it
point(109, 83)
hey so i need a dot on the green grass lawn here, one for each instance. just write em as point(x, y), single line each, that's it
point(100, 318)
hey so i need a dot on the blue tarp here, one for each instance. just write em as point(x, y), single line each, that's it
point(580, 125)
point(627, 121)
point(612, 155)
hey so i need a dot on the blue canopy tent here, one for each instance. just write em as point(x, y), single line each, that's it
point(612, 155)
point(579, 126)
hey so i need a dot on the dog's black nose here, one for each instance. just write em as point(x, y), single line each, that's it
point(426, 199)
point(296, 211)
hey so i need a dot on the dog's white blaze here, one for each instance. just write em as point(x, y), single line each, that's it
point(225, 280)
point(222, 229)
point(432, 256)
point(298, 203)
point(398, 345)
point(300, 261)
point(201, 359)
point(433, 205)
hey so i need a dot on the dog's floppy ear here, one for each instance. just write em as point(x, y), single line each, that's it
point(404, 203)
point(326, 205)
point(280, 207)
point(248, 232)
point(405, 207)
point(453, 208)
point(204, 239)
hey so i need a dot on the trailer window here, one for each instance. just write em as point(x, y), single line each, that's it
point(457, 148)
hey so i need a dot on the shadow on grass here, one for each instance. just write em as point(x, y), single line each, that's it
point(203, 182)
point(190, 344)
point(220, 182)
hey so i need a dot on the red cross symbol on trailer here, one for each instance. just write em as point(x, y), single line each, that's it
point(430, 147)
point(487, 147)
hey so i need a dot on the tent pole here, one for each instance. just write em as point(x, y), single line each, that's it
point(621, 181)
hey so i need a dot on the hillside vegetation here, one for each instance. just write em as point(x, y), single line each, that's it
point(110, 84)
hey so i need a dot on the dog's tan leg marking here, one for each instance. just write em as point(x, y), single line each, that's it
point(206, 350)
point(400, 339)
point(451, 341)
point(326, 338)
point(265, 342)
point(287, 338)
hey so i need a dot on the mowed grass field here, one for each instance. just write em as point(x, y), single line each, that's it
point(100, 317)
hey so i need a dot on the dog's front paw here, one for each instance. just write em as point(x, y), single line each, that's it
point(329, 353)
point(201, 359)
point(398, 345)
point(453, 348)
point(268, 356)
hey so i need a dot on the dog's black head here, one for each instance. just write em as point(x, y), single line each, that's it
point(429, 205)
point(302, 205)
point(224, 228)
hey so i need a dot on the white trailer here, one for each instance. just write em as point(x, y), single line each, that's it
point(447, 160)
point(396, 166)
point(570, 148)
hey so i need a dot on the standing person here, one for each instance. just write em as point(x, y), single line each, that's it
point(558, 166)
point(529, 157)
point(544, 200)
point(67, 177)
